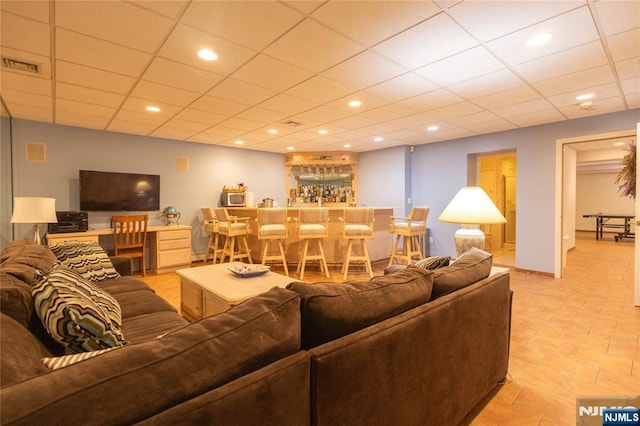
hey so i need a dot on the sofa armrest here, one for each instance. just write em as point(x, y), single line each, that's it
point(122, 265)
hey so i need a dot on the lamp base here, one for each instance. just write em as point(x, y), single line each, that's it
point(36, 238)
point(468, 236)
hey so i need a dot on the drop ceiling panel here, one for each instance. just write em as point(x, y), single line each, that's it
point(96, 18)
point(81, 120)
point(161, 93)
point(37, 10)
point(600, 92)
point(199, 116)
point(582, 57)
point(388, 112)
point(241, 124)
point(181, 76)
point(457, 68)
point(320, 89)
point(576, 82)
point(262, 115)
point(323, 114)
point(131, 127)
point(455, 110)
point(80, 75)
point(139, 105)
point(618, 16)
point(252, 24)
point(625, 45)
point(508, 97)
point(498, 81)
point(529, 107)
point(364, 70)
point(89, 96)
point(490, 126)
point(218, 105)
point(240, 91)
point(170, 9)
point(490, 20)
point(628, 69)
point(424, 44)
point(84, 50)
point(375, 23)
point(184, 43)
point(287, 104)
point(191, 126)
point(25, 98)
point(570, 30)
point(431, 100)
point(26, 83)
point(31, 112)
point(85, 109)
point(171, 133)
point(536, 117)
point(402, 87)
point(25, 34)
point(271, 73)
point(313, 47)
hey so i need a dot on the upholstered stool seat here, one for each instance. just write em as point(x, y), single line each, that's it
point(313, 225)
point(272, 226)
point(357, 225)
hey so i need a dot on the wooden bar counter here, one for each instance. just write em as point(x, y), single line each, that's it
point(335, 246)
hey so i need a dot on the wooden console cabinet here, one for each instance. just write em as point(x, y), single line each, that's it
point(169, 246)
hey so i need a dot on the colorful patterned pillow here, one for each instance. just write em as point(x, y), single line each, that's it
point(87, 258)
point(433, 262)
point(75, 312)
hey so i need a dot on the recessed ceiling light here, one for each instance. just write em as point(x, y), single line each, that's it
point(346, 145)
point(323, 131)
point(238, 142)
point(584, 97)
point(355, 103)
point(539, 39)
point(272, 131)
point(619, 143)
point(207, 54)
point(290, 148)
point(432, 128)
point(152, 108)
point(378, 139)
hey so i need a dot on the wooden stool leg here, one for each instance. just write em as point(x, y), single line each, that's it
point(366, 255)
point(323, 260)
point(303, 261)
point(246, 249)
point(394, 250)
point(284, 259)
point(265, 250)
point(347, 260)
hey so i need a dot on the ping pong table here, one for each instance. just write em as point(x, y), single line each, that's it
point(615, 221)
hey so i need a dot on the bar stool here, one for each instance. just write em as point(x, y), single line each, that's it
point(210, 225)
point(357, 225)
point(232, 228)
point(313, 224)
point(409, 229)
point(272, 226)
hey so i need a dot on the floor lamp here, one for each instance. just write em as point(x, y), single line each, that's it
point(471, 207)
point(35, 210)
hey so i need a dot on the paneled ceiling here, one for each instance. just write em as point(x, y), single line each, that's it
point(286, 70)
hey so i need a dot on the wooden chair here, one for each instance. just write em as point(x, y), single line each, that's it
point(233, 228)
point(357, 225)
point(130, 237)
point(313, 224)
point(210, 225)
point(410, 229)
point(272, 226)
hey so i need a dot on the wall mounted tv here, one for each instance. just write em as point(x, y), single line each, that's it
point(109, 191)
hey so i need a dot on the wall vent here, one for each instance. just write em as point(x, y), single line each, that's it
point(292, 123)
point(18, 65)
point(36, 152)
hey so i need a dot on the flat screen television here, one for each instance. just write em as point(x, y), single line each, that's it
point(110, 191)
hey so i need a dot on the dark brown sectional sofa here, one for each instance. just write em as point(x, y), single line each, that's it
point(377, 352)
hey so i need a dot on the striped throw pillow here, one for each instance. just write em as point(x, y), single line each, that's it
point(75, 312)
point(53, 363)
point(87, 258)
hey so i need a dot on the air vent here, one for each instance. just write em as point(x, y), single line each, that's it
point(18, 65)
point(292, 123)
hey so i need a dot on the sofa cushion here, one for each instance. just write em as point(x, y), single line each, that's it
point(86, 258)
point(163, 372)
point(21, 352)
point(150, 326)
point(140, 302)
point(22, 258)
point(332, 310)
point(472, 266)
point(76, 313)
point(123, 284)
point(15, 298)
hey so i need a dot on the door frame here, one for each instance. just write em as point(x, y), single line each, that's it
point(559, 201)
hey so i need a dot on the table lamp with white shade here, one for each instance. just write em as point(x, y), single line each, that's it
point(35, 210)
point(471, 207)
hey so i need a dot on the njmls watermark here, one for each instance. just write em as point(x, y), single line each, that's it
point(608, 411)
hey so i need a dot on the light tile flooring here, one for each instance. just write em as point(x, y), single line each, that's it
point(575, 336)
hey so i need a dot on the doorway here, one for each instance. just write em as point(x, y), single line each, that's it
point(498, 177)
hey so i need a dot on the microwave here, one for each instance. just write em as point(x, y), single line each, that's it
point(232, 199)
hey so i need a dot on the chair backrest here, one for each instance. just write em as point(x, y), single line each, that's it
point(130, 232)
point(313, 215)
point(272, 216)
point(358, 216)
point(207, 214)
point(419, 214)
point(221, 214)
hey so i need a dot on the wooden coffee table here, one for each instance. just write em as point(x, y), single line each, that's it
point(212, 289)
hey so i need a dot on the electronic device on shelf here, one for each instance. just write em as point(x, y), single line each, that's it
point(69, 222)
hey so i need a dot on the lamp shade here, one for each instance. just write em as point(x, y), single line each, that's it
point(472, 205)
point(34, 210)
